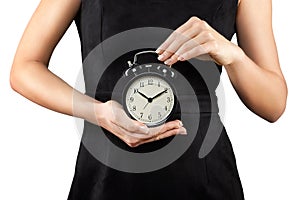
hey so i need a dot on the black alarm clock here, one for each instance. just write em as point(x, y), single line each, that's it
point(148, 95)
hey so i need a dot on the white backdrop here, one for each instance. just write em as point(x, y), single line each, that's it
point(38, 147)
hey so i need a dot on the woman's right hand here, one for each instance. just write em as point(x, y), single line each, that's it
point(111, 116)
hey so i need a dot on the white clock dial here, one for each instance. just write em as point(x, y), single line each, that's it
point(149, 99)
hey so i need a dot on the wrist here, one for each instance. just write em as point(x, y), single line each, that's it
point(84, 107)
point(238, 57)
point(89, 111)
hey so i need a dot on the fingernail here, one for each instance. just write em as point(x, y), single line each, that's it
point(168, 62)
point(180, 123)
point(144, 129)
point(180, 58)
point(183, 133)
point(160, 57)
point(157, 51)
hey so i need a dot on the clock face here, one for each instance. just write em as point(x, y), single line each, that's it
point(149, 99)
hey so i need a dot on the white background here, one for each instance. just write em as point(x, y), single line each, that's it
point(38, 147)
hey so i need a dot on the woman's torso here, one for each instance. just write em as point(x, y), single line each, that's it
point(189, 177)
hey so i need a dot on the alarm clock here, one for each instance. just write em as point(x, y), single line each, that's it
point(149, 95)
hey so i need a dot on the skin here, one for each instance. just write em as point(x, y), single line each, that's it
point(254, 59)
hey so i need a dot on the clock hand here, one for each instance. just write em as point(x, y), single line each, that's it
point(148, 99)
point(159, 94)
point(151, 99)
point(146, 105)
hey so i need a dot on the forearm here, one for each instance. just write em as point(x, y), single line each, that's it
point(262, 91)
point(37, 83)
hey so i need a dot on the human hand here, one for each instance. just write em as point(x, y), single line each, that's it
point(196, 38)
point(111, 116)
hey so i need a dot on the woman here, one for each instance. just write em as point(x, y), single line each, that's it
point(201, 28)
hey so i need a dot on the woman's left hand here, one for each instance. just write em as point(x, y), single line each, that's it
point(196, 38)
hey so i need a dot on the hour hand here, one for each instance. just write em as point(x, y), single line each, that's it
point(148, 99)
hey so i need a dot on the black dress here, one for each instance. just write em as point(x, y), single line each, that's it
point(190, 176)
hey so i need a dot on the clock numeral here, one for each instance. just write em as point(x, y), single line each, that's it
point(150, 117)
point(142, 84)
point(168, 99)
point(150, 82)
point(135, 90)
point(159, 115)
point(166, 108)
point(133, 108)
point(131, 99)
point(158, 84)
point(141, 114)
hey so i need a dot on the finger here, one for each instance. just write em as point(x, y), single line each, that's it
point(181, 29)
point(200, 38)
point(171, 37)
point(188, 45)
point(165, 55)
point(169, 133)
point(152, 131)
point(134, 139)
point(177, 44)
point(188, 24)
point(166, 44)
point(176, 131)
point(131, 131)
point(168, 130)
point(189, 29)
point(165, 127)
point(130, 139)
point(122, 119)
point(198, 51)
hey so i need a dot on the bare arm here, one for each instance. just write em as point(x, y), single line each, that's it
point(29, 74)
point(31, 78)
point(257, 76)
point(253, 66)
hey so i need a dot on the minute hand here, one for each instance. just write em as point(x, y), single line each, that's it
point(159, 94)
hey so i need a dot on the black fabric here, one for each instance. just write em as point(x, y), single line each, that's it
point(214, 177)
